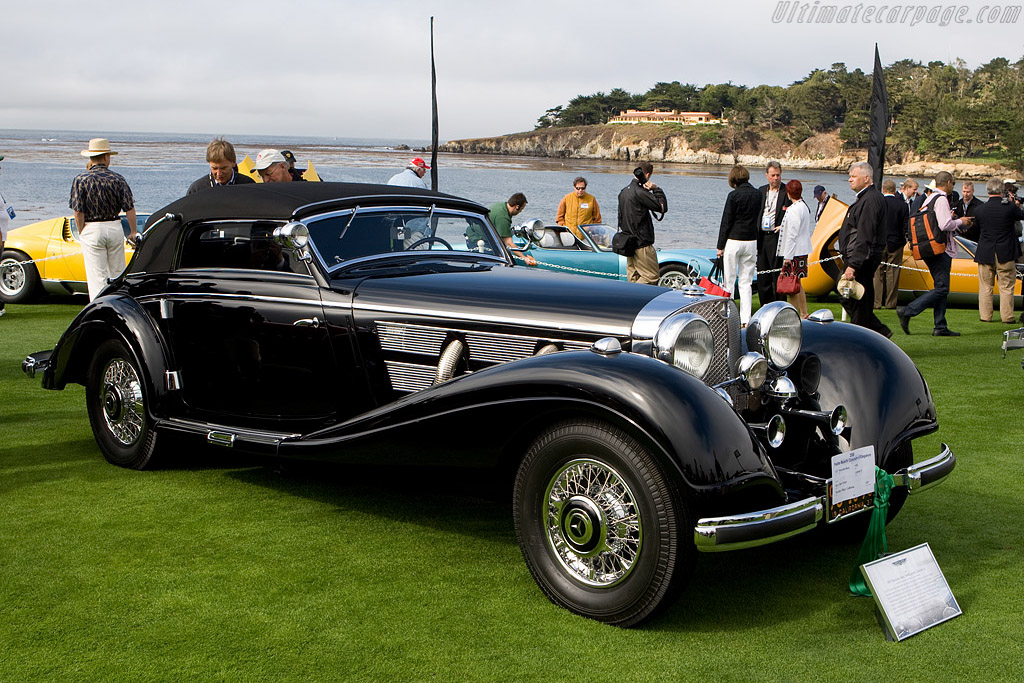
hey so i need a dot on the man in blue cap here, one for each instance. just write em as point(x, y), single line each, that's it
point(822, 196)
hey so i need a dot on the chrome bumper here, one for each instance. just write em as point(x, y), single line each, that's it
point(735, 532)
point(37, 362)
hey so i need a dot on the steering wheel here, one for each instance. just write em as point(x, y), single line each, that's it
point(428, 240)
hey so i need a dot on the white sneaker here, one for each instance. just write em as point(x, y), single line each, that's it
point(3, 311)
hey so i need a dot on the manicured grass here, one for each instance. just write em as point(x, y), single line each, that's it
point(221, 569)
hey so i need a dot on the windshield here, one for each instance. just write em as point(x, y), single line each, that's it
point(372, 232)
point(600, 234)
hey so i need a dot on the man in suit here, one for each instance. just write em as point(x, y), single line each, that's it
point(998, 250)
point(774, 201)
point(861, 242)
point(940, 264)
point(968, 206)
point(887, 277)
point(909, 191)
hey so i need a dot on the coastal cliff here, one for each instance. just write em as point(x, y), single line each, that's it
point(699, 145)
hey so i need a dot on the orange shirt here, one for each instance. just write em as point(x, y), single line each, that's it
point(573, 211)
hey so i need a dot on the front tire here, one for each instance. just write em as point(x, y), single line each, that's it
point(603, 531)
point(115, 395)
point(19, 281)
point(676, 276)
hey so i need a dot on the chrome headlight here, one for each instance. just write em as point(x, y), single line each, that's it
point(685, 341)
point(531, 230)
point(292, 235)
point(753, 369)
point(776, 333)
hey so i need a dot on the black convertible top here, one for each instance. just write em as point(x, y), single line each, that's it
point(283, 201)
point(274, 202)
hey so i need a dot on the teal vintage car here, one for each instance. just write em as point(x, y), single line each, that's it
point(589, 252)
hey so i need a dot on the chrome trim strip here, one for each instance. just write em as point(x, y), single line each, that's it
point(481, 317)
point(239, 297)
point(647, 321)
point(484, 346)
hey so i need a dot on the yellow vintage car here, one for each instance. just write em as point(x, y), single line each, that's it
point(47, 257)
point(914, 276)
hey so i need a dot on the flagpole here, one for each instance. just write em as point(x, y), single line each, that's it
point(433, 98)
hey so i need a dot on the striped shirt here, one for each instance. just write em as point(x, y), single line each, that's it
point(100, 194)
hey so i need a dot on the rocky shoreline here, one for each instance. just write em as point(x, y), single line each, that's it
point(650, 142)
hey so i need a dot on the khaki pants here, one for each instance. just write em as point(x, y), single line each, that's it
point(887, 280)
point(1003, 274)
point(642, 266)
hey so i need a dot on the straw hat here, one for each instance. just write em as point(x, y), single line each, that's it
point(850, 289)
point(97, 147)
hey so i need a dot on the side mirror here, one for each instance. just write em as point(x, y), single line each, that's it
point(292, 235)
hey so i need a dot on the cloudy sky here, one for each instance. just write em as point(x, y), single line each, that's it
point(362, 69)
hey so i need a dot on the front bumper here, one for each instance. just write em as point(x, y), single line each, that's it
point(37, 362)
point(734, 532)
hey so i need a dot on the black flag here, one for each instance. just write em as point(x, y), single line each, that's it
point(433, 97)
point(879, 121)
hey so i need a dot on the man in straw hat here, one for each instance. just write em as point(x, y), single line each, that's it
point(98, 196)
point(861, 241)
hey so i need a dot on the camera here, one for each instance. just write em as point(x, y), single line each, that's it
point(1010, 194)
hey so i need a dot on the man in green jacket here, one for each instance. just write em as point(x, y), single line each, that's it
point(501, 218)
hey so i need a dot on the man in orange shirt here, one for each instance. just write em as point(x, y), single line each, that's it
point(578, 208)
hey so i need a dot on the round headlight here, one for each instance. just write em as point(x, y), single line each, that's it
point(753, 369)
point(685, 341)
point(775, 332)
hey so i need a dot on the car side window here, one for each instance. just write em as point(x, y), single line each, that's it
point(243, 246)
point(370, 233)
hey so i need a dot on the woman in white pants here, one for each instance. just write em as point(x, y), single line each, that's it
point(737, 238)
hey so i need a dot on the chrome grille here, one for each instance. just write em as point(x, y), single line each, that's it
point(724, 318)
point(410, 377)
point(411, 338)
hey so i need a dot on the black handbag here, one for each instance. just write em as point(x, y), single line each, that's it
point(624, 244)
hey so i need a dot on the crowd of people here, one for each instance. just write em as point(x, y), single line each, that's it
point(763, 231)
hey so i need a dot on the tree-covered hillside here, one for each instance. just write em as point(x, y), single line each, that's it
point(939, 111)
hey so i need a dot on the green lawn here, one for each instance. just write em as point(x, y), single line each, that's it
point(225, 570)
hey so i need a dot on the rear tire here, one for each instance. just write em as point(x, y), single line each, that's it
point(115, 395)
point(19, 281)
point(603, 531)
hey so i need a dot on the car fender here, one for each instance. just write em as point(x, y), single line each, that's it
point(687, 425)
point(887, 398)
point(111, 317)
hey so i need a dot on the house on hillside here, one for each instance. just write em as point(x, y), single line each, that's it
point(686, 118)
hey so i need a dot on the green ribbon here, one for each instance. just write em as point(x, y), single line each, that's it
point(874, 543)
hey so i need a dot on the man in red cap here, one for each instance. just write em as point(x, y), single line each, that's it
point(412, 176)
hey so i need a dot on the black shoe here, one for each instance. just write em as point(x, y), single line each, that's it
point(886, 332)
point(904, 318)
point(944, 332)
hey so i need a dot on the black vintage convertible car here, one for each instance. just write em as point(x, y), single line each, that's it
point(638, 425)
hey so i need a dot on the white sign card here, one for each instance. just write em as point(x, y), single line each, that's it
point(852, 486)
point(910, 591)
point(853, 474)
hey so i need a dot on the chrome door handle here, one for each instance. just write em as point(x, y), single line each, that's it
point(307, 322)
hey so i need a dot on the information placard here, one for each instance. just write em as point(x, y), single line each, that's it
point(910, 591)
point(853, 482)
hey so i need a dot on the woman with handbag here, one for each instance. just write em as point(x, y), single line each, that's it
point(794, 246)
point(737, 237)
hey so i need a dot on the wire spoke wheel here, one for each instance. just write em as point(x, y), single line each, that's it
point(593, 524)
point(123, 407)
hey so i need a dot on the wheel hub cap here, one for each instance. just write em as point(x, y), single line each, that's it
point(123, 408)
point(12, 277)
point(593, 525)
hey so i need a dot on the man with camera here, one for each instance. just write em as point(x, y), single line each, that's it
point(636, 202)
point(998, 250)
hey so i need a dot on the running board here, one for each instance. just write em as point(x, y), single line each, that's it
point(253, 440)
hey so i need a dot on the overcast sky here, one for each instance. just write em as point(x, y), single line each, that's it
point(362, 69)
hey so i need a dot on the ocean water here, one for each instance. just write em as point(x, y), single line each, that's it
point(40, 164)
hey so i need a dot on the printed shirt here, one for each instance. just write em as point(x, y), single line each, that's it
point(100, 194)
point(946, 221)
